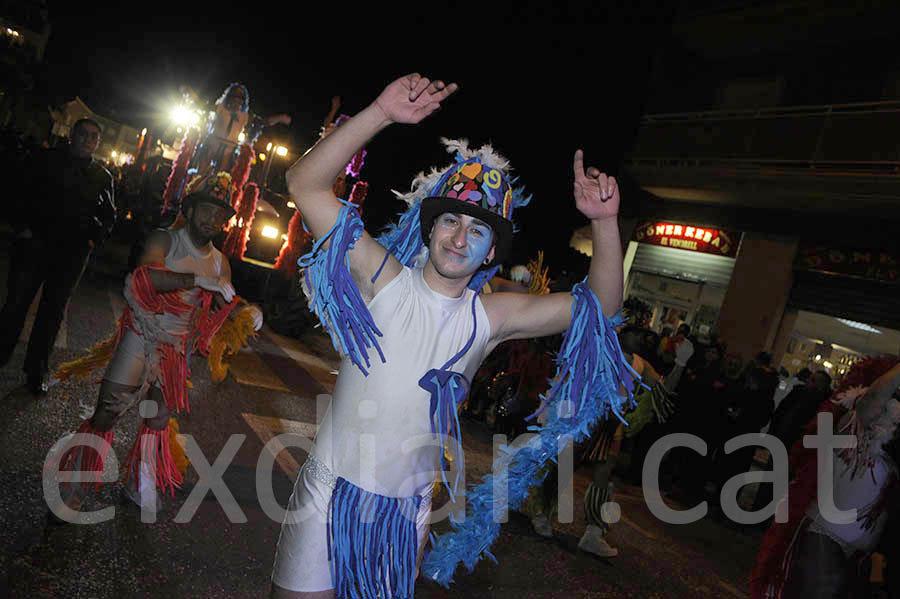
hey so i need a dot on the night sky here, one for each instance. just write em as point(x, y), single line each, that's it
point(537, 92)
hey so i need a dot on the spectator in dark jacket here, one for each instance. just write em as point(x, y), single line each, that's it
point(65, 207)
point(798, 408)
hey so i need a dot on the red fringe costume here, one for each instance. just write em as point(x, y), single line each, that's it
point(167, 366)
point(293, 248)
point(236, 241)
point(775, 558)
point(240, 173)
point(179, 168)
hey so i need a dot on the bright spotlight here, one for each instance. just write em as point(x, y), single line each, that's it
point(269, 147)
point(181, 115)
point(241, 137)
point(281, 151)
point(290, 204)
point(262, 157)
point(113, 154)
point(270, 232)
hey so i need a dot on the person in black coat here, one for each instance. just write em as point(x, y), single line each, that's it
point(798, 408)
point(63, 209)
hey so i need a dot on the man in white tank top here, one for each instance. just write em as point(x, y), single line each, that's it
point(375, 447)
point(170, 309)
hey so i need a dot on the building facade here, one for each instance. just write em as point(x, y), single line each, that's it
point(774, 130)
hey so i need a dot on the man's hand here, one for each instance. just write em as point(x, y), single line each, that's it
point(412, 98)
point(219, 285)
point(257, 317)
point(596, 195)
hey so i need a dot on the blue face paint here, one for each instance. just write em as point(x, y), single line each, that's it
point(479, 239)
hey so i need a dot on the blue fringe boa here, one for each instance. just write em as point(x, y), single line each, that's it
point(591, 371)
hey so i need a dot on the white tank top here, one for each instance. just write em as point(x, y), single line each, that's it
point(377, 432)
point(185, 258)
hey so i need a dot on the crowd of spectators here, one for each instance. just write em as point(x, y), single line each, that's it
point(718, 397)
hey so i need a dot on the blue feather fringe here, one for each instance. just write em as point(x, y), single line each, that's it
point(591, 371)
point(448, 389)
point(335, 296)
point(481, 277)
point(372, 543)
point(403, 239)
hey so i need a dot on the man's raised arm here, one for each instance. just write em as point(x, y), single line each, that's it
point(873, 406)
point(407, 100)
point(516, 316)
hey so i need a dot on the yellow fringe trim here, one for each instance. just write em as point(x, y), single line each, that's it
point(97, 355)
point(231, 337)
point(540, 280)
point(181, 460)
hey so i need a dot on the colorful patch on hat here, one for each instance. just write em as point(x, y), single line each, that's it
point(217, 186)
point(472, 182)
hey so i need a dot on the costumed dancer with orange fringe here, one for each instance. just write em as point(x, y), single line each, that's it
point(178, 297)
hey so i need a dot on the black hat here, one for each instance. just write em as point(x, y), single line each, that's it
point(213, 189)
point(472, 188)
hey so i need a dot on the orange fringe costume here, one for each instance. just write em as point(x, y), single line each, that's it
point(167, 366)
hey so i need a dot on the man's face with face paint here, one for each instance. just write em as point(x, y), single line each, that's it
point(460, 244)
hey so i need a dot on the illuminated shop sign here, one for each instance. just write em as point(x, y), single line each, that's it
point(688, 237)
point(868, 264)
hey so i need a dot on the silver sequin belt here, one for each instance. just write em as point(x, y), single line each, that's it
point(322, 473)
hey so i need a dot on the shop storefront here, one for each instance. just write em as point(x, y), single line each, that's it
point(844, 304)
point(681, 272)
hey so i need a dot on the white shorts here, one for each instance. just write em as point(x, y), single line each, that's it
point(301, 557)
point(127, 365)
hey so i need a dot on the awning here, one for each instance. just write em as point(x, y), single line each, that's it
point(683, 264)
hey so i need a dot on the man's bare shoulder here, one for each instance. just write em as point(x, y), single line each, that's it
point(159, 239)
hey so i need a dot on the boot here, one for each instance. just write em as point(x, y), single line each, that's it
point(142, 491)
point(593, 541)
point(542, 526)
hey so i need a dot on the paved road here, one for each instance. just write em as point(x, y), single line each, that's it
point(273, 389)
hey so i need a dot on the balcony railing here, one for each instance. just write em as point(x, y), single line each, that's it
point(847, 137)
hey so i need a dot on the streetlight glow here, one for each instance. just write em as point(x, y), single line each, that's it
point(262, 157)
point(241, 137)
point(269, 147)
point(281, 151)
